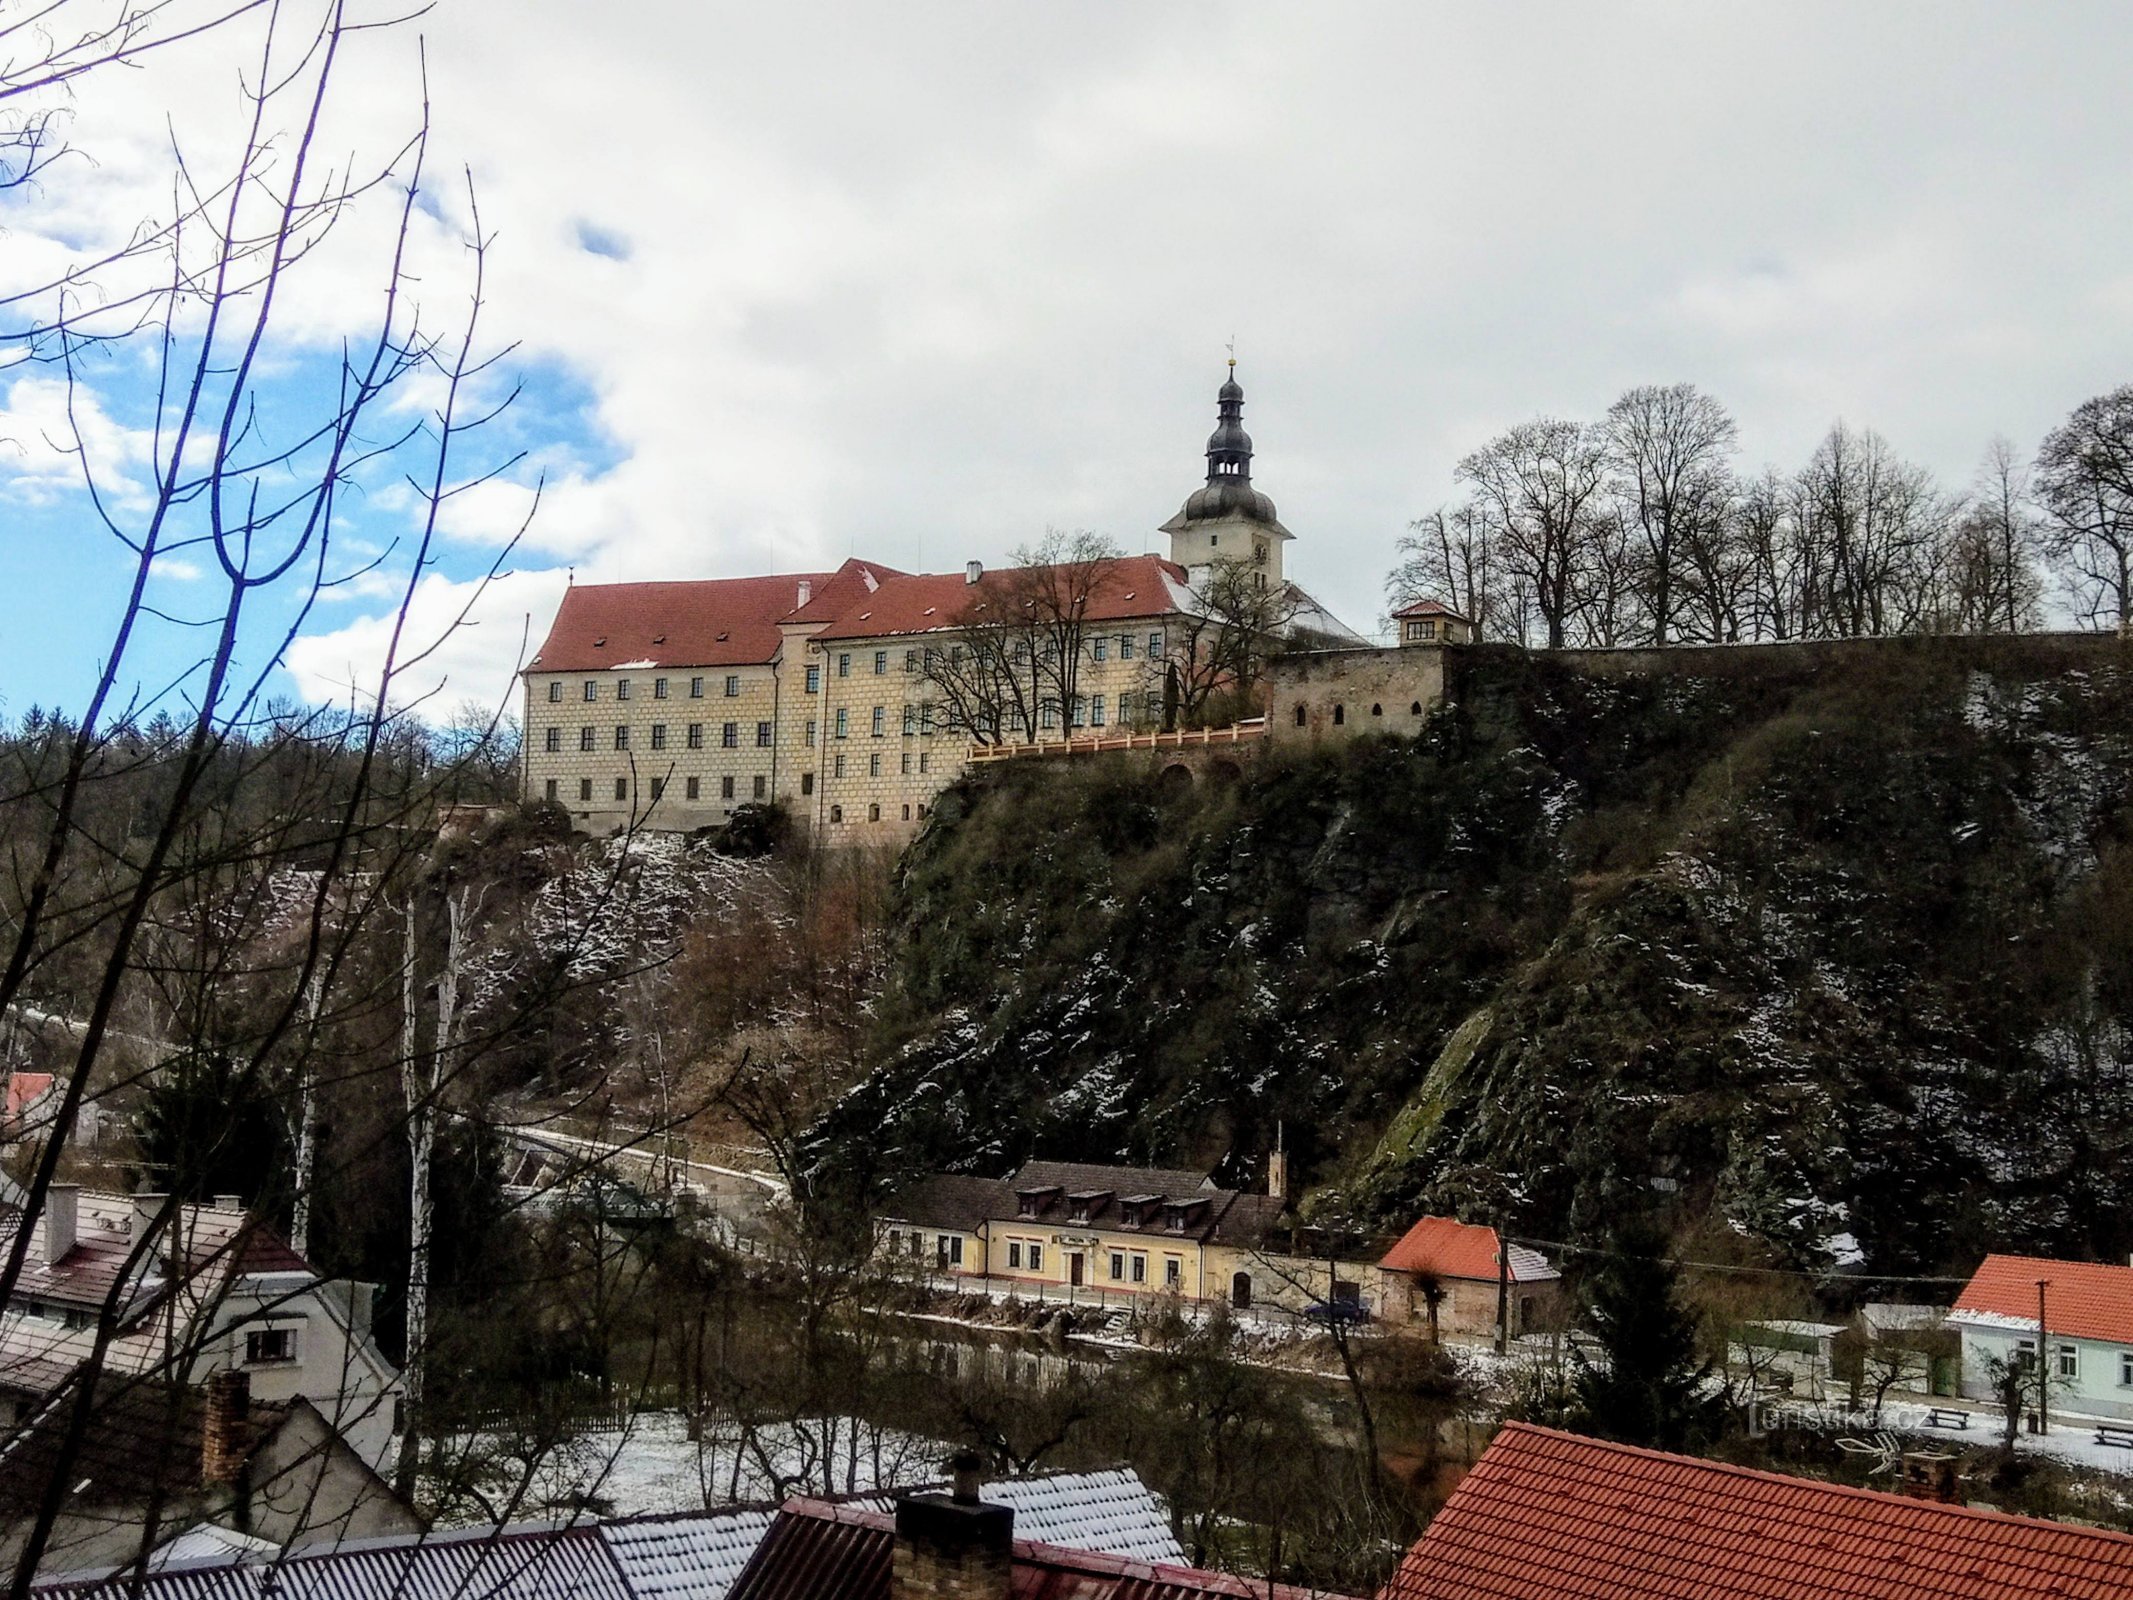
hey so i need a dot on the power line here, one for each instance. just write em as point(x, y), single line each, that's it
point(1728, 1266)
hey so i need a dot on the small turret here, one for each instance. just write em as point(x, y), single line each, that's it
point(1227, 519)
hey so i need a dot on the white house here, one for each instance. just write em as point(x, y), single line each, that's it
point(2088, 1329)
point(225, 1292)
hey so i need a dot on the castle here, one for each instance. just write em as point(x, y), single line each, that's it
point(852, 697)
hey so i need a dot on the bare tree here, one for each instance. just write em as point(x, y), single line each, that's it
point(2085, 482)
point(1450, 555)
point(1540, 485)
point(1870, 521)
point(1221, 646)
point(1669, 449)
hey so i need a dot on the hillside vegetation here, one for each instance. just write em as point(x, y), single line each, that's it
point(1829, 950)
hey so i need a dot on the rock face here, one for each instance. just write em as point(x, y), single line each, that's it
point(1831, 948)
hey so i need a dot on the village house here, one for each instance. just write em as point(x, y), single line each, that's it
point(217, 1290)
point(1457, 1278)
point(2087, 1328)
point(1117, 1231)
point(853, 697)
point(1556, 1516)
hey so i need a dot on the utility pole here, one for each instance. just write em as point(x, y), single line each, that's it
point(2044, 1371)
point(1503, 1290)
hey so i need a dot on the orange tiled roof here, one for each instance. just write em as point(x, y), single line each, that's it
point(1430, 608)
point(1130, 586)
point(1445, 1248)
point(1552, 1516)
point(2084, 1299)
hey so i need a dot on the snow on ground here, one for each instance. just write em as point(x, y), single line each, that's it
point(2073, 1443)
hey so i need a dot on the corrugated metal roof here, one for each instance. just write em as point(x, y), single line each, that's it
point(694, 1556)
point(1109, 1511)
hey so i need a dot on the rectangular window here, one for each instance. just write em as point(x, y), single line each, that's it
point(836, 813)
point(1140, 1269)
point(585, 788)
point(592, 689)
point(844, 722)
point(1118, 1267)
point(925, 718)
point(696, 736)
point(881, 663)
point(551, 788)
point(555, 690)
point(695, 791)
point(733, 684)
point(659, 688)
point(1036, 1258)
point(554, 740)
point(2069, 1361)
point(1014, 1254)
point(811, 729)
point(954, 1242)
point(907, 811)
point(1125, 647)
point(622, 788)
point(844, 663)
point(1155, 646)
point(729, 735)
point(881, 721)
point(838, 770)
point(622, 736)
point(814, 680)
point(1081, 711)
point(622, 688)
point(725, 787)
point(910, 720)
point(924, 756)
point(874, 765)
point(911, 661)
point(696, 688)
point(585, 738)
point(874, 813)
point(267, 1347)
point(762, 736)
point(1173, 1272)
point(2125, 1369)
point(905, 768)
point(659, 787)
point(1099, 648)
point(1096, 711)
point(762, 786)
point(807, 783)
point(659, 736)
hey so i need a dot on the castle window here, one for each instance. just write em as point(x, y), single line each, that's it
point(910, 661)
point(814, 680)
point(925, 757)
point(844, 663)
point(725, 787)
point(555, 690)
point(1140, 1269)
point(733, 685)
point(622, 736)
point(807, 783)
point(551, 789)
point(554, 740)
point(659, 736)
point(1096, 711)
point(1155, 645)
point(729, 735)
point(585, 738)
point(881, 721)
point(838, 770)
point(696, 736)
point(592, 689)
point(910, 720)
point(1340, 715)
point(585, 788)
point(873, 813)
point(904, 764)
point(1125, 647)
point(659, 688)
point(874, 765)
point(1301, 716)
point(1173, 1272)
point(881, 663)
point(761, 786)
point(622, 688)
point(1099, 649)
point(1415, 709)
point(696, 688)
point(925, 719)
point(836, 813)
point(907, 812)
point(695, 789)
point(762, 736)
point(812, 729)
point(622, 788)
point(844, 723)
point(1377, 711)
point(659, 787)
point(922, 818)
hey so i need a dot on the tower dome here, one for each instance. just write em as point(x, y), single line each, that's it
point(1228, 491)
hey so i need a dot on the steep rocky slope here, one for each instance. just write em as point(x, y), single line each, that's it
point(1831, 947)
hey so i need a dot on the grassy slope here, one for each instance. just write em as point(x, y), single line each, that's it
point(1834, 949)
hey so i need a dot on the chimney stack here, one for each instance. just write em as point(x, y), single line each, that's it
point(953, 1546)
point(222, 1427)
point(147, 1206)
point(1277, 1173)
point(57, 1225)
point(807, 592)
point(972, 571)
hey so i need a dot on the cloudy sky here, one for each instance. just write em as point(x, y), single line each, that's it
point(789, 283)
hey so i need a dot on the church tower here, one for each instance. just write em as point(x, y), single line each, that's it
point(1227, 519)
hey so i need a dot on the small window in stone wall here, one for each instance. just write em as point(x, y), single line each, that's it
point(1340, 715)
point(1415, 710)
point(1300, 716)
point(695, 789)
point(1377, 711)
point(836, 813)
point(873, 813)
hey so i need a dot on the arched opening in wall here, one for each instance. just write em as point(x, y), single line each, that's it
point(1299, 716)
point(1240, 1290)
point(1415, 709)
point(874, 813)
point(1340, 715)
point(1377, 710)
point(1175, 780)
point(1225, 772)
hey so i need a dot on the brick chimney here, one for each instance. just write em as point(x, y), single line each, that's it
point(57, 1224)
point(223, 1427)
point(953, 1546)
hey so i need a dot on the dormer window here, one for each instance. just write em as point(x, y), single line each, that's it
point(1033, 1202)
point(1134, 1210)
point(1086, 1203)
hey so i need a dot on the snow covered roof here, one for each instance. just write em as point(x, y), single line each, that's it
point(1109, 1511)
point(2082, 1299)
point(695, 1556)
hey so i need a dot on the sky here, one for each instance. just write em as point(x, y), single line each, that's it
point(784, 284)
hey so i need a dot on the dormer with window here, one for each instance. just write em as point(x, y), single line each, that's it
point(1138, 1210)
point(1178, 1215)
point(1035, 1202)
point(1084, 1204)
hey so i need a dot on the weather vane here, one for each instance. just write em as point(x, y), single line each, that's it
point(1232, 352)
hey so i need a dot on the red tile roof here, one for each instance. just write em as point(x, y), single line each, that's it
point(1131, 586)
point(1552, 1516)
point(710, 622)
point(2082, 1299)
point(1430, 608)
point(1444, 1248)
point(818, 1550)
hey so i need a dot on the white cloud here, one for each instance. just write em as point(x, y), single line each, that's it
point(40, 437)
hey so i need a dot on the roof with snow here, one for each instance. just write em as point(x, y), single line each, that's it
point(2082, 1299)
point(1110, 1511)
point(1443, 1247)
point(693, 1556)
point(1552, 1516)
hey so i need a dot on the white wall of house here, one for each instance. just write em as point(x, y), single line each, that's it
point(2090, 1377)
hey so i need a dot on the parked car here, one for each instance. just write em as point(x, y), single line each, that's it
point(1337, 1313)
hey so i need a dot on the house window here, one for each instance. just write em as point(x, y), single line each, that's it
point(1173, 1272)
point(733, 684)
point(585, 738)
point(554, 741)
point(622, 689)
point(659, 787)
point(659, 688)
point(762, 736)
point(622, 736)
point(950, 1248)
point(694, 789)
point(725, 787)
point(874, 813)
point(696, 736)
point(1125, 647)
point(838, 770)
point(622, 788)
point(585, 788)
point(844, 663)
point(881, 663)
point(1036, 1258)
point(1140, 1269)
point(807, 783)
point(729, 735)
point(762, 786)
point(844, 721)
point(874, 765)
point(1118, 1266)
point(1096, 711)
point(696, 688)
point(836, 813)
point(1014, 1254)
point(1099, 649)
point(2125, 1369)
point(551, 788)
point(2069, 1365)
point(555, 690)
point(592, 689)
point(267, 1347)
point(814, 680)
point(881, 721)
point(659, 736)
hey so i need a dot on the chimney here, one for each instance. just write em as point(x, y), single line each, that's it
point(229, 1202)
point(973, 570)
point(807, 592)
point(1277, 1173)
point(56, 1226)
point(147, 1206)
point(1928, 1475)
point(953, 1546)
point(222, 1427)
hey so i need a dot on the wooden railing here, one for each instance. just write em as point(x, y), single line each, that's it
point(1102, 744)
